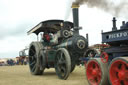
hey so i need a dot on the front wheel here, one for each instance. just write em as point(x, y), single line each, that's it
point(97, 72)
point(62, 63)
point(36, 58)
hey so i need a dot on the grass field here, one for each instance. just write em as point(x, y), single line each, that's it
point(20, 75)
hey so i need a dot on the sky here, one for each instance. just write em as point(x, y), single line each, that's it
point(19, 16)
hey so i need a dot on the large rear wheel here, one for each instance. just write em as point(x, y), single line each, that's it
point(36, 58)
point(118, 71)
point(73, 65)
point(96, 72)
point(62, 63)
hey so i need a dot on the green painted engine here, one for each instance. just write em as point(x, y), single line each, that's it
point(60, 46)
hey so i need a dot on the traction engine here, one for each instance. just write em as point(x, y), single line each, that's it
point(61, 46)
point(111, 67)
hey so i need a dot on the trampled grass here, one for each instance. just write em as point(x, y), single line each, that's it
point(20, 75)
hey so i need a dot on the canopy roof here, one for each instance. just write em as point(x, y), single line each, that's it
point(50, 26)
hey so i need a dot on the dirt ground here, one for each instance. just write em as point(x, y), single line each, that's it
point(20, 75)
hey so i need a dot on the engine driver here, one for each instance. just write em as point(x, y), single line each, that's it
point(46, 37)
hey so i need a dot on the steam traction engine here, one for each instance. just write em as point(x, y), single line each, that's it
point(61, 46)
point(112, 66)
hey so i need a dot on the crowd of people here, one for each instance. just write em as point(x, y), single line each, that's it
point(17, 61)
point(11, 62)
point(22, 61)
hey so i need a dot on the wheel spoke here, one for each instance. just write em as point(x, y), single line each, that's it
point(62, 57)
point(30, 58)
point(58, 58)
point(116, 82)
point(63, 72)
point(123, 67)
point(90, 68)
point(33, 52)
point(64, 69)
point(116, 69)
point(58, 63)
point(105, 57)
point(64, 61)
point(91, 79)
point(59, 69)
point(32, 63)
point(98, 77)
point(96, 67)
point(33, 68)
point(99, 74)
point(34, 56)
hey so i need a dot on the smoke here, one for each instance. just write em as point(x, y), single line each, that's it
point(115, 7)
point(68, 9)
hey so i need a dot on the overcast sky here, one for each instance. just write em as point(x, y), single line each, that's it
point(19, 16)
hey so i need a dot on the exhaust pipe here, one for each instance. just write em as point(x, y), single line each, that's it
point(114, 28)
point(75, 11)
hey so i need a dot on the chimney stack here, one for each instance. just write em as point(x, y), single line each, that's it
point(114, 28)
point(75, 11)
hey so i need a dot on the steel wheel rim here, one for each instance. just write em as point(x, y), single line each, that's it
point(61, 64)
point(93, 73)
point(32, 59)
point(118, 73)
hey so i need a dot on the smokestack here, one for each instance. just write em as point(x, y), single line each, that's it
point(114, 28)
point(123, 23)
point(75, 11)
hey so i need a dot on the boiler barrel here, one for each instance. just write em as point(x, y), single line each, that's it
point(75, 44)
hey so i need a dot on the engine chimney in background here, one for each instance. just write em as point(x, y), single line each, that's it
point(75, 11)
point(114, 28)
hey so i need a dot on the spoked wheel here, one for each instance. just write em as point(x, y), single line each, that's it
point(104, 57)
point(73, 62)
point(91, 53)
point(96, 72)
point(62, 63)
point(36, 58)
point(118, 71)
point(73, 65)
